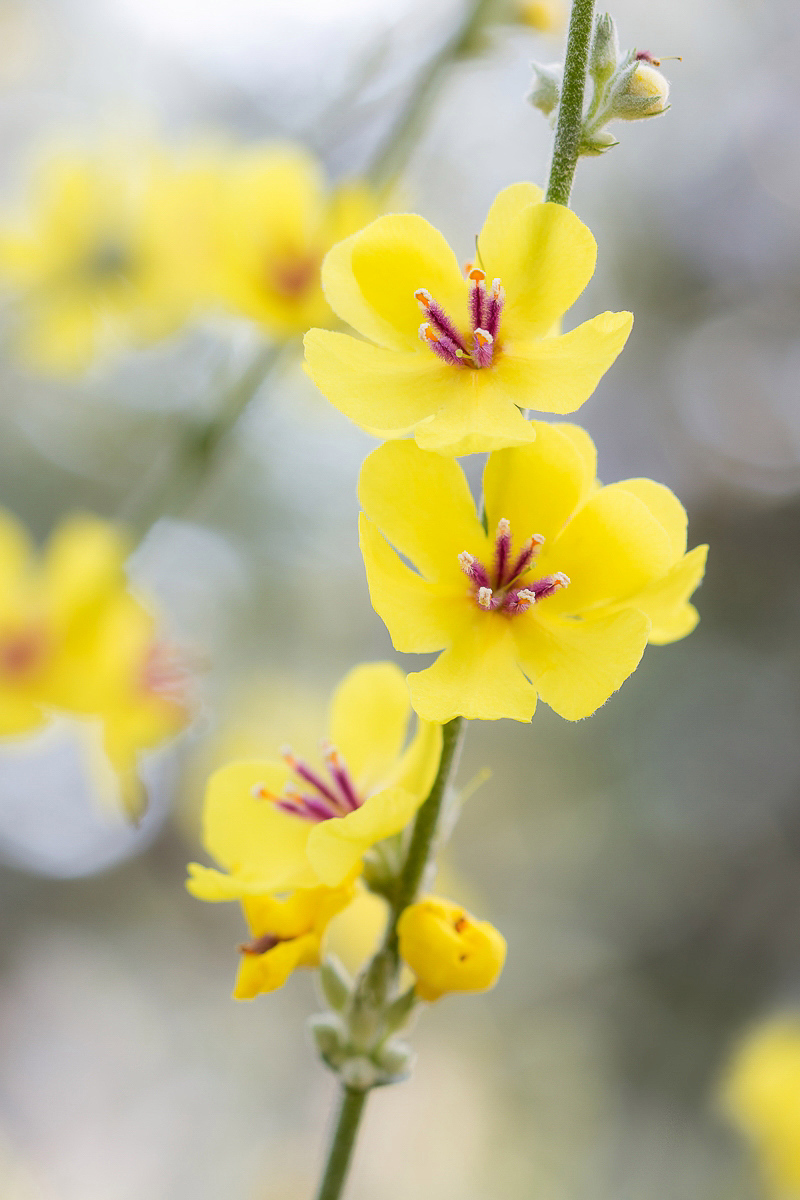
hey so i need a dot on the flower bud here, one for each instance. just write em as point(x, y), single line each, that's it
point(642, 92)
point(604, 54)
point(545, 90)
point(360, 1074)
point(448, 950)
point(598, 143)
point(395, 1059)
point(335, 982)
point(330, 1037)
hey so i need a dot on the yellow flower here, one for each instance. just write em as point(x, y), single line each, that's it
point(276, 825)
point(762, 1095)
point(73, 637)
point(105, 256)
point(448, 950)
point(546, 16)
point(559, 598)
point(482, 353)
point(286, 932)
point(277, 220)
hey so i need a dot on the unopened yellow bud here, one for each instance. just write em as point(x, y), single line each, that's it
point(647, 83)
point(448, 950)
point(761, 1094)
point(546, 16)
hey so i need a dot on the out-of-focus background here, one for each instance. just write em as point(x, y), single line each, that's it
point(644, 864)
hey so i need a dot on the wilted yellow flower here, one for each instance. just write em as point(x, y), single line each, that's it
point(761, 1093)
point(448, 950)
point(286, 933)
point(559, 598)
point(274, 825)
point(106, 255)
point(483, 351)
point(73, 637)
point(278, 217)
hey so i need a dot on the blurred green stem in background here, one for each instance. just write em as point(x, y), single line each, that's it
point(569, 126)
point(174, 483)
point(393, 155)
point(381, 974)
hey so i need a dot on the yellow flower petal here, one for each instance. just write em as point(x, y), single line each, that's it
point(384, 391)
point(666, 601)
point(370, 711)
point(665, 507)
point(481, 416)
point(478, 677)
point(259, 973)
point(543, 254)
point(370, 279)
point(557, 374)
point(576, 665)
point(83, 566)
point(611, 549)
point(538, 487)
point(416, 613)
point(248, 835)
point(422, 503)
point(416, 770)
point(205, 883)
point(448, 950)
point(335, 847)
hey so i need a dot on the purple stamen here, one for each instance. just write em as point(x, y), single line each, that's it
point(527, 555)
point(494, 308)
point(441, 345)
point(304, 771)
point(502, 548)
point(478, 300)
point(518, 601)
point(339, 772)
point(482, 348)
point(474, 570)
point(261, 945)
point(438, 317)
point(549, 585)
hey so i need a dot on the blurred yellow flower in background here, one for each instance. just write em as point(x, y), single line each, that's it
point(106, 254)
point(74, 638)
point(545, 16)
point(275, 826)
point(761, 1094)
point(448, 950)
point(286, 933)
point(559, 598)
point(484, 349)
point(277, 219)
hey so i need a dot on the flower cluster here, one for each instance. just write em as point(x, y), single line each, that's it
point(74, 638)
point(121, 249)
point(550, 587)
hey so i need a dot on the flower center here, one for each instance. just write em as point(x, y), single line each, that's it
point(263, 944)
point(508, 586)
point(22, 653)
point(442, 334)
point(293, 276)
point(312, 795)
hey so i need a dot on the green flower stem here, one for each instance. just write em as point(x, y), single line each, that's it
point(392, 156)
point(570, 111)
point(351, 1107)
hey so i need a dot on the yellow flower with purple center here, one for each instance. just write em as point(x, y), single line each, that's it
point(484, 350)
point(286, 932)
point(448, 950)
point(558, 599)
point(277, 219)
point(74, 638)
point(277, 825)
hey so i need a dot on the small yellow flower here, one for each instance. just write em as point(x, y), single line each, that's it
point(105, 256)
point(286, 933)
point(448, 950)
point(277, 220)
point(483, 352)
point(74, 638)
point(559, 598)
point(275, 825)
point(762, 1095)
point(545, 16)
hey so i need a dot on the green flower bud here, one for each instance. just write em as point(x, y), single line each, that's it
point(360, 1073)
point(545, 91)
point(335, 982)
point(641, 91)
point(399, 1011)
point(604, 54)
point(598, 143)
point(395, 1060)
point(330, 1037)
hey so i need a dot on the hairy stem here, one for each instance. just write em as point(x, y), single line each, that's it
point(351, 1106)
point(570, 111)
